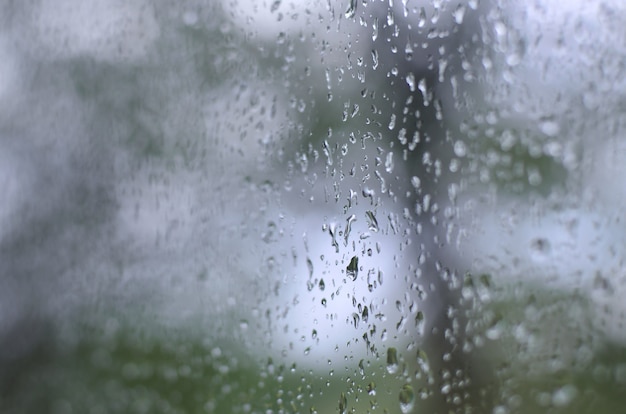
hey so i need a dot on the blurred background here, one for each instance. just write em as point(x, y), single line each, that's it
point(284, 207)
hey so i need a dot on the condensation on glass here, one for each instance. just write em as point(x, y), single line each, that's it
point(276, 206)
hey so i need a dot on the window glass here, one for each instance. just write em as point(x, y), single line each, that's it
point(247, 206)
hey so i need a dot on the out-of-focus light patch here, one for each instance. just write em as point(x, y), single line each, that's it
point(555, 55)
point(569, 251)
point(324, 314)
point(557, 74)
point(107, 30)
point(321, 311)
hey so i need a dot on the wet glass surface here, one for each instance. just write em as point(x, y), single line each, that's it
point(285, 207)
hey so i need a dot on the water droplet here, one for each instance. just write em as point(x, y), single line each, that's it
point(322, 285)
point(343, 403)
point(392, 360)
point(534, 177)
point(603, 285)
point(389, 162)
point(422, 362)
point(420, 323)
point(424, 90)
point(495, 328)
point(309, 265)
point(375, 59)
point(422, 18)
point(390, 18)
point(540, 248)
point(355, 111)
point(327, 152)
point(268, 235)
point(375, 29)
point(410, 80)
point(564, 395)
point(460, 149)
point(407, 398)
point(349, 222)
point(550, 127)
point(514, 59)
point(351, 10)
point(485, 280)
point(372, 223)
point(353, 268)
point(275, 5)
point(392, 122)
point(408, 54)
point(416, 182)
point(332, 230)
point(459, 13)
